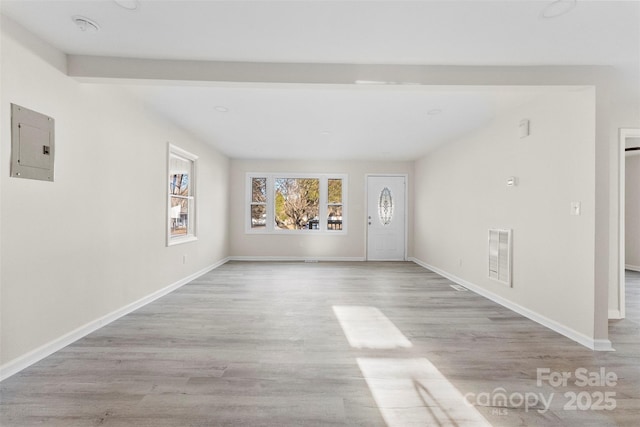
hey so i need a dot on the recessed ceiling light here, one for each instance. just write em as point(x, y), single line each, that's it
point(85, 24)
point(434, 112)
point(221, 109)
point(557, 8)
point(326, 132)
point(128, 4)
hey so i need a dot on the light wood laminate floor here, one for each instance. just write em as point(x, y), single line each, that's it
point(321, 344)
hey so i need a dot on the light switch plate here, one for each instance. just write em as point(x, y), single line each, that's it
point(575, 208)
point(523, 128)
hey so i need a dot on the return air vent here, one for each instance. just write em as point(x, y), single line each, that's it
point(500, 255)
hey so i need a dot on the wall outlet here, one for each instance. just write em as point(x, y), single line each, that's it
point(184, 258)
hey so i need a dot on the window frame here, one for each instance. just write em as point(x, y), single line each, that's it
point(323, 204)
point(177, 152)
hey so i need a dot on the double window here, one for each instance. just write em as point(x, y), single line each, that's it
point(281, 203)
point(181, 200)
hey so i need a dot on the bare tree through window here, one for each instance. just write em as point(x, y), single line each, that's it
point(288, 202)
point(297, 202)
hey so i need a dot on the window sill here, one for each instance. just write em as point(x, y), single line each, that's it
point(180, 240)
point(298, 232)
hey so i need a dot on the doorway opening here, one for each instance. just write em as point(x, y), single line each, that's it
point(629, 140)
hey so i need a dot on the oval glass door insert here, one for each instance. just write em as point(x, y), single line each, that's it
point(385, 206)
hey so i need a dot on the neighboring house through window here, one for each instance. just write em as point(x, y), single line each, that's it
point(181, 199)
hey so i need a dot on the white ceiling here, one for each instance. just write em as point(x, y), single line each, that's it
point(350, 121)
point(327, 121)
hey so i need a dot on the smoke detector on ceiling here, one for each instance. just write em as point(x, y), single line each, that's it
point(85, 24)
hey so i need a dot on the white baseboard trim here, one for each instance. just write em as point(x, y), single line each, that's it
point(614, 314)
point(602, 345)
point(580, 338)
point(295, 258)
point(632, 267)
point(16, 365)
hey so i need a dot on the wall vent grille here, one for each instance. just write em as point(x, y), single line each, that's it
point(500, 255)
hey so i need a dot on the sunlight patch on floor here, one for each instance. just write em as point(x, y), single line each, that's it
point(407, 391)
point(368, 327)
point(412, 392)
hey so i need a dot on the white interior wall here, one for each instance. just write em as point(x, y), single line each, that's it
point(295, 246)
point(632, 212)
point(461, 192)
point(94, 240)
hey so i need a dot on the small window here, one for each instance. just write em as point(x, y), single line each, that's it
point(259, 203)
point(385, 207)
point(181, 199)
point(334, 204)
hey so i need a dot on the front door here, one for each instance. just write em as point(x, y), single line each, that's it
point(386, 218)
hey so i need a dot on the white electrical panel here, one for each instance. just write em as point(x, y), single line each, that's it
point(32, 144)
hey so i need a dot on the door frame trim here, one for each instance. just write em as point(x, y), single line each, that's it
point(406, 210)
point(623, 134)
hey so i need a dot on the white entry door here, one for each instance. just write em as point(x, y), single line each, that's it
point(386, 218)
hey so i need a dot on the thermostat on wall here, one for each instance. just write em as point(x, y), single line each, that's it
point(32, 144)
